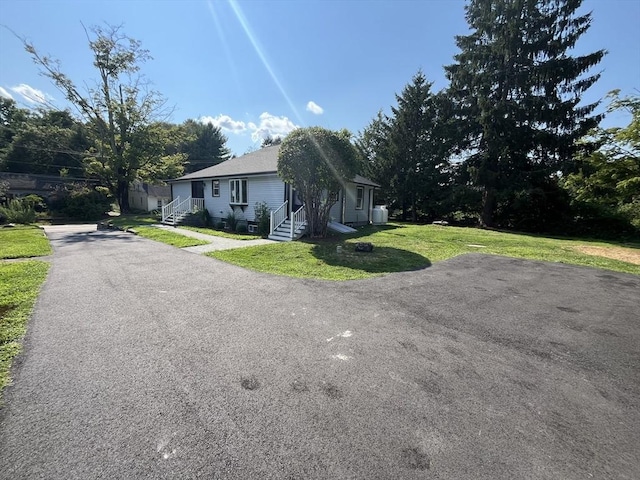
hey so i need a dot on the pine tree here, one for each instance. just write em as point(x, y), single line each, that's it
point(206, 145)
point(405, 152)
point(517, 92)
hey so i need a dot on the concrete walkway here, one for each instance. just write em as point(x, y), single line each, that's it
point(215, 242)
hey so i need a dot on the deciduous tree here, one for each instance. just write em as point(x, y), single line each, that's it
point(118, 109)
point(608, 180)
point(318, 163)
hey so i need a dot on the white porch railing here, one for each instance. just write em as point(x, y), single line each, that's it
point(298, 218)
point(278, 217)
point(197, 204)
point(167, 210)
point(176, 210)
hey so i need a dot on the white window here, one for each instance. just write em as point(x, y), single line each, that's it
point(159, 203)
point(359, 198)
point(215, 188)
point(238, 191)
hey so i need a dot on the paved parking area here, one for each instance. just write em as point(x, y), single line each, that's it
point(145, 361)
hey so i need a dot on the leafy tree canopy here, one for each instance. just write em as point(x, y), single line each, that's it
point(608, 180)
point(318, 163)
point(119, 109)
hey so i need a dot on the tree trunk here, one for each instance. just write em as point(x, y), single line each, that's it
point(122, 196)
point(488, 207)
point(414, 210)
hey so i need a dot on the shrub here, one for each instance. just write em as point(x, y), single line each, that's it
point(220, 226)
point(18, 210)
point(232, 221)
point(263, 218)
point(241, 228)
point(82, 202)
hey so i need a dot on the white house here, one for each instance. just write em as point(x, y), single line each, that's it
point(238, 184)
point(143, 196)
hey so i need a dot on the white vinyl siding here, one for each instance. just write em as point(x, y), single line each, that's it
point(353, 214)
point(182, 190)
point(260, 188)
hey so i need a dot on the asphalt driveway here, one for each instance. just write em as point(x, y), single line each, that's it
point(145, 361)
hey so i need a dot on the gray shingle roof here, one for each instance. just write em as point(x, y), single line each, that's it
point(264, 160)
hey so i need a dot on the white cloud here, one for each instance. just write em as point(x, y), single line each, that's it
point(313, 107)
point(268, 126)
point(271, 126)
point(225, 123)
point(5, 94)
point(30, 94)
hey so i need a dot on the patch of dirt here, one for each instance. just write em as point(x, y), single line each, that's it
point(629, 255)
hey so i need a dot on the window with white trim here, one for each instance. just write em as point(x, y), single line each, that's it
point(215, 188)
point(238, 193)
point(359, 198)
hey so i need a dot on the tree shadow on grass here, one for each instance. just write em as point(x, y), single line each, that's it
point(381, 260)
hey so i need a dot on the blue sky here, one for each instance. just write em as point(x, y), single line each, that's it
point(264, 67)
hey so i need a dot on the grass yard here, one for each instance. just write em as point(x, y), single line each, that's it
point(220, 233)
point(19, 287)
point(168, 237)
point(400, 247)
point(142, 226)
point(23, 241)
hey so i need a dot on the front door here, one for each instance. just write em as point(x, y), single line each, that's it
point(197, 189)
point(291, 195)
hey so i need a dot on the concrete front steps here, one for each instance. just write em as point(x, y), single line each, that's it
point(283, 232)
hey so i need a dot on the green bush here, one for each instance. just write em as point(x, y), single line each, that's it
point(232, 221)
point(19, 210)
point(263, 218)
point(81, 202)
point(241, 228)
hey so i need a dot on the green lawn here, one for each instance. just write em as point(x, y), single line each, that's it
point(141, 224)
point(19, 287)
point(220, 233)
point(23, 241)
point(168, 237)
point(400, 247)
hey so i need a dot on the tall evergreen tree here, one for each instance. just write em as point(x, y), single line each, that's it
point(517, 91)
point(406, 152)
point(206, 146)
point(372, 145)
